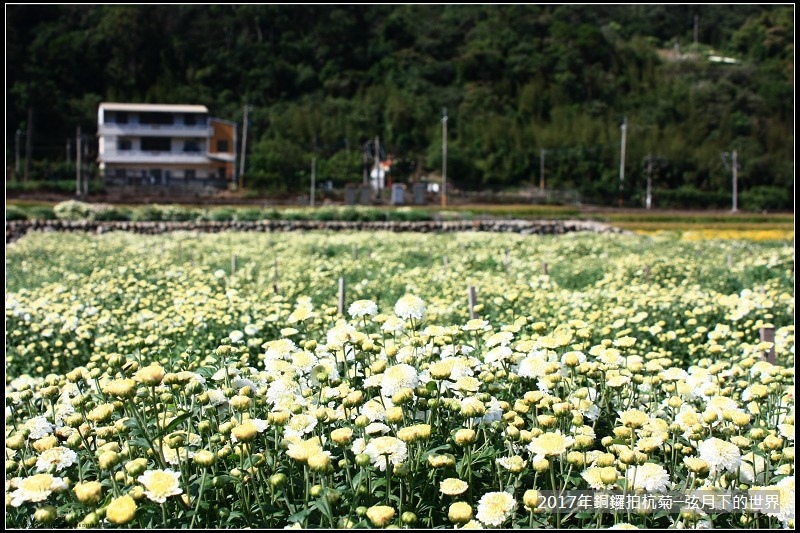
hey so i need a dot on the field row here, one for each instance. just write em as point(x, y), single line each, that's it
point(374, 379)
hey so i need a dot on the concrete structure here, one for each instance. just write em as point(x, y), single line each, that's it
point(164, 146)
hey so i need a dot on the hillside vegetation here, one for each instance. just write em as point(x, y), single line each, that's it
point(518, 82)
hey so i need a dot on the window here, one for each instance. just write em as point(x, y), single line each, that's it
point(189, 119)
point(189, 174)
point(156, 144)
point(222, 145)
point(122, 117)
point(191, 146)
point(120, 173)
point(124, 144)
point(156, 118)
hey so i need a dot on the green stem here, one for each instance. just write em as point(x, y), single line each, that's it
point(199, 498)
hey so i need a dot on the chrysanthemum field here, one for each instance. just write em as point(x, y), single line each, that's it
point(211, 381)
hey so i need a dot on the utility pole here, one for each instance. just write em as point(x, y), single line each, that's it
point(735, 171)
point(28, 144)
point(365, 181)
point(542, 151)
point(648, 197)
point(69, 151)
point(378, 163)
point(735, 182)
point(78, 162)
point(16, 154)
point(88, 175)
point(244, 146)
point(313, 178)
point(444, 157)
point(696, 28)
point(624, 128)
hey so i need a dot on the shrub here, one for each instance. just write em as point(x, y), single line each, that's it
point(109, 212)
point(15, 213)
point(74, 210)
point(249, 214)
point(40, 212)
point(767, 198)
point(146, 213)
point(221, 214)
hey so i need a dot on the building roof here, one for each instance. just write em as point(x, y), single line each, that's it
point(173, 108)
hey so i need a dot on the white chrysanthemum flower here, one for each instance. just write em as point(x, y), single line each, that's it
point(281, 388)
point(393, 324)
point(549, 444)
point(39, 427)
point(59, 456)
point(300, 450)
point(62, 411)
point(358, 445)
point(299, 425)
point(304, 361)
point(222, 372)
point(497, 355)
point(36, 488)
point(467, 385)
point(385, 450)
point(786, 431)
point(406, 354)
point(161, 484)
point(362, 308)
point(495, 507)
point(476, 324)
point(398, 377)
point(472, 406)
point(377, 428)
point(373, 382)
point(762, 368)
point(786, 500)
point(577, 355)
point(235, 336)
point(515, 463)
point(239, 382)
point(753, 469)
point(410, 307)
point(593, 476)
point(340, 334)
point(374, 410)
point(721, 455)
point(300, 314)
point(216, 397)
point(494, 411)
point(175, 456)
point(279, 349)
point(611, 358)
point(649, 477)
point(453, 486)
point(535, 365)
point(687, 417)
point(251, 329)
point(502, 338)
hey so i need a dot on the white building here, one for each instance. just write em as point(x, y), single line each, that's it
point(163, 145)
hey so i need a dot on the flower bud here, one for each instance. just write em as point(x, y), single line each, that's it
point(88, 493)
point(459, 512)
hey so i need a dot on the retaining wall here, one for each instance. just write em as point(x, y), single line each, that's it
point(17, 228)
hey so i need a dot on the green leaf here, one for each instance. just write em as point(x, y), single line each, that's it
point(299, 516)
point(175, 423)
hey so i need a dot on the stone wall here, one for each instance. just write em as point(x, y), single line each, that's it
point(17, 228)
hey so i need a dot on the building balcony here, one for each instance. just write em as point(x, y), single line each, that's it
point(153, 158)
point(157, 130)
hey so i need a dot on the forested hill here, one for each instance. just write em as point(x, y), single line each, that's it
point(518, 82)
